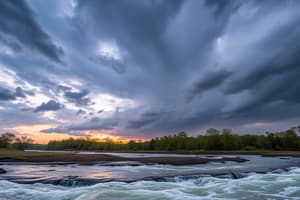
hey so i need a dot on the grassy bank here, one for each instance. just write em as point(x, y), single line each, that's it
point(12, 154)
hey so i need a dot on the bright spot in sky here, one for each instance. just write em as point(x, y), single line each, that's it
point(68, 7)
point(109, 102)
point(7, 77)
point(49, 115)
point(220, 44)
point(110, 50)
point(36, 100)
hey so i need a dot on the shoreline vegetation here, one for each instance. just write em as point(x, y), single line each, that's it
point(213, 140)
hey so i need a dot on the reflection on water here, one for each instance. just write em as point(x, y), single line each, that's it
point(22, 172)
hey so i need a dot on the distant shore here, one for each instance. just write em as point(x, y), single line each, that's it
point(72, 157)
point(101, 157)
point(204, 152)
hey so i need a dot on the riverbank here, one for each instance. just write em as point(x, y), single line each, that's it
point(266, 153)
point(70, 168)
point(73, 157)
point(178, 158)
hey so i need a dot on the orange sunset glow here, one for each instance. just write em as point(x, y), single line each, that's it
point(34, 132)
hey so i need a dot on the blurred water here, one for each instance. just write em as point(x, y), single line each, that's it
point(132, 171)
point(284, 185)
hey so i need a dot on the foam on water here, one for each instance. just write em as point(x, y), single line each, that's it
point(284, 185)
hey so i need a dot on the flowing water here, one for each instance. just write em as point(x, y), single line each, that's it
point(126, 181)
point(255, 186)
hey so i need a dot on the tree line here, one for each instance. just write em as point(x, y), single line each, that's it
point(9, 140)
point(213, 139)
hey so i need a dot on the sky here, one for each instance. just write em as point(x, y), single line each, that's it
point(118, 70)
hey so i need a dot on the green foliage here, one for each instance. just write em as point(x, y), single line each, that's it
point(213, 140)
point(10, 140)
point(22, 143)
point(6, 139)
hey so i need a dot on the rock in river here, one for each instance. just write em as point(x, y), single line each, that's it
point(2, 171)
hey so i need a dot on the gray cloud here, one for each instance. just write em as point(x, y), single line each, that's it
point(210, 81)
point(13, 115)
point(6, 94)
point(64, 130)
point(63, 88)
point(49, 106)
point(208, 63)
point(117, 65)
point(146, 119)
point(79, 98)
point(55, 130)
point(94, 124)
point(19, 28)
point(10, 43)
point(81, 112)
point(19, 92)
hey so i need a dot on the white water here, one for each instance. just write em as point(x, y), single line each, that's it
point(121, 171)
point(256, 186)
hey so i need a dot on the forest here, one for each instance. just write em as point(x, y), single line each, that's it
point(213, 139)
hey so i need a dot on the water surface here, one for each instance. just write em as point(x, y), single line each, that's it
point(260, 178)
point(253, 187)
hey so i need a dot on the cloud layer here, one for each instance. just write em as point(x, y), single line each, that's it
point(149, 68)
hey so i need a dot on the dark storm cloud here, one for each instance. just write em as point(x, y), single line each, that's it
point(76, 95)
point(94, 124)
point(19, 92)
point(141, 17)
point(18, 24)
point(141, 122)
point(284, 62)
point(81, 112)
point(79, 98)
point(146, 119)
point(11, 44)
point(208, 63)
point(136, 23)
point(49, 106)
point(55, 130)
point(210, 81)
point(63, 88)
point(64, 130)
point(6, 94)
point(97, 123)
point(116, 65)
point(205, 51)
point(219, 6)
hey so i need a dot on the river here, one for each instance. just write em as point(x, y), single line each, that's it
point(259, 178)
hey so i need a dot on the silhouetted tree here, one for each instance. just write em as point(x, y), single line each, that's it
point(226, 131)
point(212, 131)
point(22, 142)
point(286, 140)
point(6, 139)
